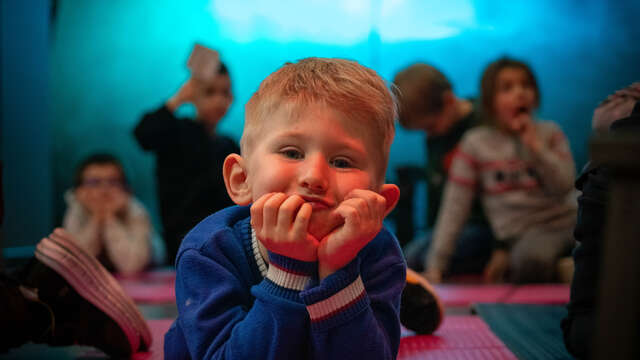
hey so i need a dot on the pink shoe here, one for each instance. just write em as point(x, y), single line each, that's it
point(87, 304)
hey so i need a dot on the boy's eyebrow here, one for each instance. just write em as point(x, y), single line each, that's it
point(341, 143)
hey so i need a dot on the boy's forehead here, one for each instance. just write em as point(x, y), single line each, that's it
point(332, 119)
point(101, 168)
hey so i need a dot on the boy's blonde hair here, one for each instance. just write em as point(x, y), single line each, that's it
point(354, 90)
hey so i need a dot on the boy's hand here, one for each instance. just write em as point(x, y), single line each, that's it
point(281, 223)
point(363, 212)
point(187, 94)
point(95, 207)
point(117, 203)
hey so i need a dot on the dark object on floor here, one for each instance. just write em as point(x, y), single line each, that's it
point(420, 308)
point(65, 297)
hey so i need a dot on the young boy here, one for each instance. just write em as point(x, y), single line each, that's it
point(189, 155)
point(307, 271)
point(105, 219)
point(428, 103)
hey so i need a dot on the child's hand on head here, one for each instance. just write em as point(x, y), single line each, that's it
point(363, 212)
point(187, 93)
point(281, 223)
point(616, 106)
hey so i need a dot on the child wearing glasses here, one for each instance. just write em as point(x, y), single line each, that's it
point(104, 217)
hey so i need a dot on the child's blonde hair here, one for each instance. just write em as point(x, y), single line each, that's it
point(354, 90)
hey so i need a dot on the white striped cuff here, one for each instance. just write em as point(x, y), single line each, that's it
point(337, 302)
point(286, 279)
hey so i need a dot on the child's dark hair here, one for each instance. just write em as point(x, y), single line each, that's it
point(99, 159)
point(421, 90)
point(223, 70)
point(490, 79)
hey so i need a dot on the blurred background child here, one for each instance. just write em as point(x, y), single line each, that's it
point(104, 217)
point(189, 154)
point(618, 114)
point(428, 103)
point(522, 170)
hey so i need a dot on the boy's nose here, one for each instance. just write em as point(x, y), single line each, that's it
point(313, 175)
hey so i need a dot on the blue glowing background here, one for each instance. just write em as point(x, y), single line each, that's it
point(112, 60)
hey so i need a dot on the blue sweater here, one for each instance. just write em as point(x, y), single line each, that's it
point(229, 310)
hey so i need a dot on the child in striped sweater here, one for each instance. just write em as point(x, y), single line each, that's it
point(523, 171)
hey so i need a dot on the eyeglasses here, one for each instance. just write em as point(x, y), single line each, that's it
point(108, 182)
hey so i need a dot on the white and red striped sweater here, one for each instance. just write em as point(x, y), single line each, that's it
point(519, 189)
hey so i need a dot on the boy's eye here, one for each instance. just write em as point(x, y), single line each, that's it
point(341, 163)
point(505, 86)
point(291, 154)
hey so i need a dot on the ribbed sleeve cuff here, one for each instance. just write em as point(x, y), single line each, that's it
point(337, 299)
point(290, 273)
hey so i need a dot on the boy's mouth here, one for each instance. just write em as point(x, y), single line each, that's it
point(317, 203)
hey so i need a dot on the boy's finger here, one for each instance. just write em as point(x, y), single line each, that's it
point(288, 210)
point(271, 208)
point(256, 211)
point(349, 212)
point(301, 222)
point(376, 202)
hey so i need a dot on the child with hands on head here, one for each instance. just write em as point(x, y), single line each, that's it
point(105, 219)
point(523, 171)
point(189, 153)
point(304, 264)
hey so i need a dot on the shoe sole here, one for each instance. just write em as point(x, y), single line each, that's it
point(95, 284)
point(415, 278)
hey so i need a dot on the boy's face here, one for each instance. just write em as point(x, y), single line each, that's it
point(321, 156)
point(214, 99)
point(101, 184)
point(515, 97)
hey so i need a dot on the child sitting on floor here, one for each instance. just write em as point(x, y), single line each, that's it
point(303, 266)
point(524, 173)
point(104, 217)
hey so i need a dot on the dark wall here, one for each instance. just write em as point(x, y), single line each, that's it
point(26, 122)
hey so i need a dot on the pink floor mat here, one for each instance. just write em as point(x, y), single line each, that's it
point(153, 287)
point(158, 329)
point(459, 337)
point(542, 294)
point(467, 294)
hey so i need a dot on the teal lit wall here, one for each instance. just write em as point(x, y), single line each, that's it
point(112, 60)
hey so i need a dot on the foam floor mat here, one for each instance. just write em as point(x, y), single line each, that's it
point(529, 331)
point(543, 294)
point(459, 337)
point(467, 294)
point(154, 287)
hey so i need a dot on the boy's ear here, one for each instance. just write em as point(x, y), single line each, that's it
point(391, 193)
point(235, 179)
